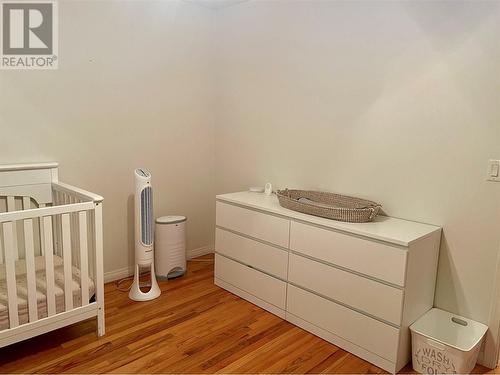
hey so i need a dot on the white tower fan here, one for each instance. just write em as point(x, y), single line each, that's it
point(144, 242)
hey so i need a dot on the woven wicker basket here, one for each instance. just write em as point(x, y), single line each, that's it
point(329, 205)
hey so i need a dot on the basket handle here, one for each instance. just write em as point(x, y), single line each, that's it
point(285, 192)
point(459, 321)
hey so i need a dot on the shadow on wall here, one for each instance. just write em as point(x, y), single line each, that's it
point(452, 30)
point(131, 229)
point(449, 271)
point(449, 25)
point(455, 292)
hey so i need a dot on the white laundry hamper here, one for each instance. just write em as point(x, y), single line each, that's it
point(445, 343)
point(170, 246)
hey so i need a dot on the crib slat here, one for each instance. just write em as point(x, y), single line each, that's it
point(10, 272)
point(11, 206)
point(49, 265)
point(22, 247)
point(1, 244)
point(30, 269)
point(92, 253)
point(26, 203)
point(75, 236)
point(68, 274)
point(84, 271)
point(57, 230)
point(40, 224)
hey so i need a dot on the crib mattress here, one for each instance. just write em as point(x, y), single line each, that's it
point(41, 286)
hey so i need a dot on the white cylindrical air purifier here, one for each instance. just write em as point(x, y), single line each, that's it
point(144, 237)
point(170, 246)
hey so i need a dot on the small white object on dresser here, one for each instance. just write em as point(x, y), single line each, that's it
point(357, 285)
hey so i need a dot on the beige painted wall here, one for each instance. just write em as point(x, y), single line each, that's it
point(393, 101)
point(133, 89)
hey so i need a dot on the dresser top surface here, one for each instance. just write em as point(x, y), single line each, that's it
point(384, 228)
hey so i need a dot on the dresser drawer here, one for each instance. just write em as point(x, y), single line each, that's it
point(372, 297)
point(256, 254)
point(265, 227)
point(371, 258)
point(265, 287)
point(368, 333)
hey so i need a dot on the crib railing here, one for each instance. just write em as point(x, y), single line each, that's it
point(70, 227)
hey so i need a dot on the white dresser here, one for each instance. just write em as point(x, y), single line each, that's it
point(358, 286)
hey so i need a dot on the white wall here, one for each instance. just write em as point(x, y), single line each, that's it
point(398, 102)
point(133, 89)
point(393, 101)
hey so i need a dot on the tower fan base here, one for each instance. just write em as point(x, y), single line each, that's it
point(136, 294)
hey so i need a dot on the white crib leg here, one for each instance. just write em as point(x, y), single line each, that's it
point(99, 270)
point(101, 329)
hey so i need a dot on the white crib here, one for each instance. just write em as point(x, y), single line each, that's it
point(51, 253)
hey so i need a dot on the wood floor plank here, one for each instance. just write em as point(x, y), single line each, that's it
point(194, 327)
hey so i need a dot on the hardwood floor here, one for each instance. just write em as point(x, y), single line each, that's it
point(194, 327)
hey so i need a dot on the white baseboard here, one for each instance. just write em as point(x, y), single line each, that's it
point(118, 274)
point(193, 253)
point(129, 271)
